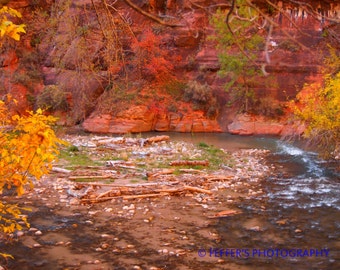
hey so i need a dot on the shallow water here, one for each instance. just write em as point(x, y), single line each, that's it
point(295, 224)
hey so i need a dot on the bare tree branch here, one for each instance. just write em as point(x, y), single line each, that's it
point(152, 17)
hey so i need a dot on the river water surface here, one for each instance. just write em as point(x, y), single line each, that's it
point(295, 224)
point(292, 224)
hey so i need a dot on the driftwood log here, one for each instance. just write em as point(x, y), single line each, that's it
point(189, 163)
point(141, 191)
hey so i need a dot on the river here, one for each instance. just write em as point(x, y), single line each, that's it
point(292, 224)
point(295, 223)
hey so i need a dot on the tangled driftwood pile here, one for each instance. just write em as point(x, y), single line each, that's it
point(180, 170)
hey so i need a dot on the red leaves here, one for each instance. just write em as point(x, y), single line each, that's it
point(153, 61)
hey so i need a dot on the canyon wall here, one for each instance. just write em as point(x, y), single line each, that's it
point(69, 49)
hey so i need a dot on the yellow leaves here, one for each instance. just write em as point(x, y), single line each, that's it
point(319, 108)
point(7, 27)
point(10, 11)
point(28, 146)
point(8, 216)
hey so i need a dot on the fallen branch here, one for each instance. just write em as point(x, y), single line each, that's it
point(157, 139)
point(163, 172)
point(60, 170)
point(130, 185)
point(218, 178)
point(144, 191)
point(196, 189)
point(75, 177)
point(190, 171)
point(189, 163)
point(126, 197)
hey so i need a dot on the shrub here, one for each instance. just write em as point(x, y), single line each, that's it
point(268, 106)
point(153, 62)
point(52, 98)
point(175, 88)
point(202, 98)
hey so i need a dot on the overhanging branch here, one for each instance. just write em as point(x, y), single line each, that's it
point(149, 15)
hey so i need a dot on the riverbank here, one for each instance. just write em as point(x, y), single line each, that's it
point(72, 229)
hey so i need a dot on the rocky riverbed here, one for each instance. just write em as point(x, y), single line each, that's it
point(135, 203)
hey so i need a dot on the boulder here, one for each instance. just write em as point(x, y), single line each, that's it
point(245, 124)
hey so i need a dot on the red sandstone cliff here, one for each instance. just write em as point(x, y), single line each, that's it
point(73, 54)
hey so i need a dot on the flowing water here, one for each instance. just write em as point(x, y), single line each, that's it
point(295, 224)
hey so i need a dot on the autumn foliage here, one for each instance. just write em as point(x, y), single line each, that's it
point(153, 62)
point(28, 146)
point(7, 27)
point(318, 107)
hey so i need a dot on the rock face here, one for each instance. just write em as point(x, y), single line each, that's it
point(140, 119)
point(258, 125)
point(77, 60)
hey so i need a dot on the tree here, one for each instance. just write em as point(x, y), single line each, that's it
point(243, 35)
point(28, 146)
point(319, 108)
point(238, 42)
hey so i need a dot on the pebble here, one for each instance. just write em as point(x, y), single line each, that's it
point(20, 233)
point(38, 233)
point(180, 252)
point(255, 229)
point(104, 246)
point(40, 263)
point(37, 245)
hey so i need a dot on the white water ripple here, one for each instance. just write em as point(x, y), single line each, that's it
point(310, 187)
